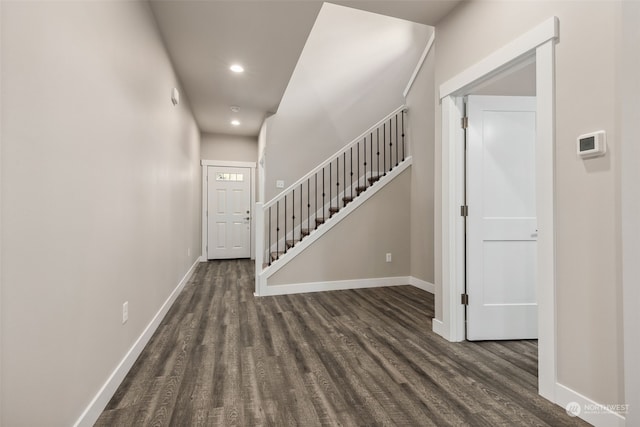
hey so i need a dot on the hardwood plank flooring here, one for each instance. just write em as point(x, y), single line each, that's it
point(366, 357)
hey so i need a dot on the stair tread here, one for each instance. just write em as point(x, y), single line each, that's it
point(291, 243)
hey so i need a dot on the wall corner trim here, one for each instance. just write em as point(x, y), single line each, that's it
point(423, 58)
point(106, 392)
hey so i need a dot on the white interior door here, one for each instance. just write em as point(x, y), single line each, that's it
point(501, 222)
point(228, 212)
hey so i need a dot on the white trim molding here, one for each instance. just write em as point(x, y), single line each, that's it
point(538, 43)
point(423, 58)
point(452, 243)
point(340, 285)
point(228, 163)
point(422, 284)
point(106, 392)
point(437, 327)
point(337, 285)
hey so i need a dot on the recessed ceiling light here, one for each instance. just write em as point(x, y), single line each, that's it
point(235, 122)
point(235, 108)
point(236, 68)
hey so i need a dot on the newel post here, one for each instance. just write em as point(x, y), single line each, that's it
point(259, 213)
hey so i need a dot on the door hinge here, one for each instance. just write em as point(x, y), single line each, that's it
point(464, 210)
point(464, 122)
point(464, 299)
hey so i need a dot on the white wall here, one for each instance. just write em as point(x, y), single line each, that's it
point(520, 81)
point(1, 287)
point(420, 132)
point(228, 147)
point(352, 72)
point(629, 101)
point(589, 320)
point(100, 198)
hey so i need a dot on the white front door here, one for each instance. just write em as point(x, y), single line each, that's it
point(501, 222)
point(228, 212)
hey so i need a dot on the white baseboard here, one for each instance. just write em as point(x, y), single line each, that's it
point(421, 284)
point(300, 288)
point(600, 415)
point(338, 285)
point(100, 401)
point(438, 327)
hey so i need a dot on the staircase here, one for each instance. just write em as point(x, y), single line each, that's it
point(312, 204)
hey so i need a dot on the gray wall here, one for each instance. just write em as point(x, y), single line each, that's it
point(420, 125)
point(629, 101)
point(228, 147)
point(588, 289)
point(350, 75)
point(379, 226)
point(100, 198)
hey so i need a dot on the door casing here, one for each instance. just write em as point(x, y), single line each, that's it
point(537, 45)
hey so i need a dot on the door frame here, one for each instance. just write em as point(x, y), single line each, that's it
point(205, 201)
point(537, 45)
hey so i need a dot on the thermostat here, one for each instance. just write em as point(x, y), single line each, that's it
point(592, 144)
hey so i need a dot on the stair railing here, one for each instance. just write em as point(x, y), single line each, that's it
point(313, 199)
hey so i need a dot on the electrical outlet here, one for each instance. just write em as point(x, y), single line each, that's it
point(279, 183)
point(125, 312)
point(388, 257)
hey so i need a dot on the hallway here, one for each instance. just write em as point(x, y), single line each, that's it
point(357, 357)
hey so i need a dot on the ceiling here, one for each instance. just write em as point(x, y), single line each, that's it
point(205, 37)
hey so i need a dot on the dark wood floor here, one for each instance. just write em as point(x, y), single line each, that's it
point(358, 357)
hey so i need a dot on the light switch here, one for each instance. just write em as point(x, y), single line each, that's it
point(279, 183)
